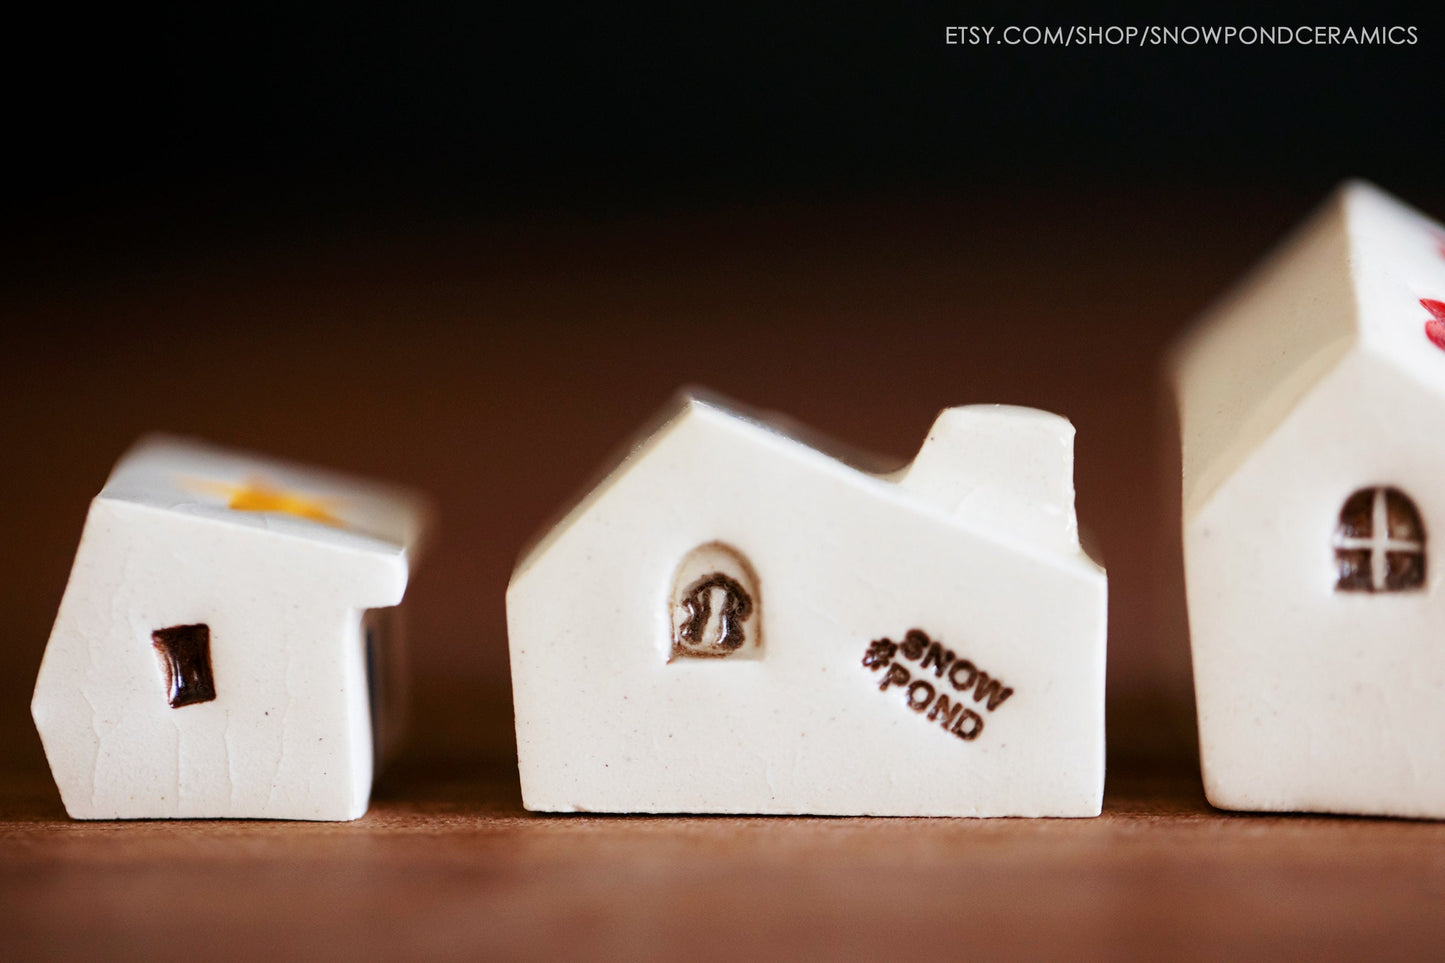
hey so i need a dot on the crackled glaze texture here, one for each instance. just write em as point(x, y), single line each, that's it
point(209, 657)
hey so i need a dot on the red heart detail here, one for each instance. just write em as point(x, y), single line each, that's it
point(1435, 327)
point(1435, 331)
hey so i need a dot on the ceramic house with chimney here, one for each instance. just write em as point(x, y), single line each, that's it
point(226, 645)
point(1312, 415)
point(735, 621)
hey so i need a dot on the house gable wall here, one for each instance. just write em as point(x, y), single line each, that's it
point(841, 558)
point(287, 663)
point(1309, 698)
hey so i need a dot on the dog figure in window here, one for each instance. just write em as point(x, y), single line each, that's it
point(692, 636)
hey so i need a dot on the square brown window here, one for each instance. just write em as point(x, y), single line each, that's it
point(185, 653)
point(1379, 543)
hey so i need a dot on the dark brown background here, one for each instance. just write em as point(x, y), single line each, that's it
point(473, 253)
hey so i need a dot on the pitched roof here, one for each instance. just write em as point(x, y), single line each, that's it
point(999, 471)
point(174, 474)
point(1352, 277)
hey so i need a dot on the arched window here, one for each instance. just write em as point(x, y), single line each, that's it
point(1380, 543)
point(715, 606)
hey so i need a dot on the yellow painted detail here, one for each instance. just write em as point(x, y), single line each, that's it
point(258, 496)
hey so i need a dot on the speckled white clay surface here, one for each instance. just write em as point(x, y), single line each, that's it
point(810, 568)
point(283, 597)
point(1312, 405)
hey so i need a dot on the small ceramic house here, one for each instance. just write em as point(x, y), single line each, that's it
point(220, 647)
point(735, 621)
point(1312, 406)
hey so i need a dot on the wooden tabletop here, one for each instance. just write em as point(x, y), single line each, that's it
point(448, 864)
point(494, 364)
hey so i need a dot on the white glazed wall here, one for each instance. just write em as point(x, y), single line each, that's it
point(1312, 699)
point(605, 723)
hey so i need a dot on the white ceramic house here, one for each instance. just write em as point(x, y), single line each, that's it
point(736, 622)
point(1312, 407)
point(221, 645)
